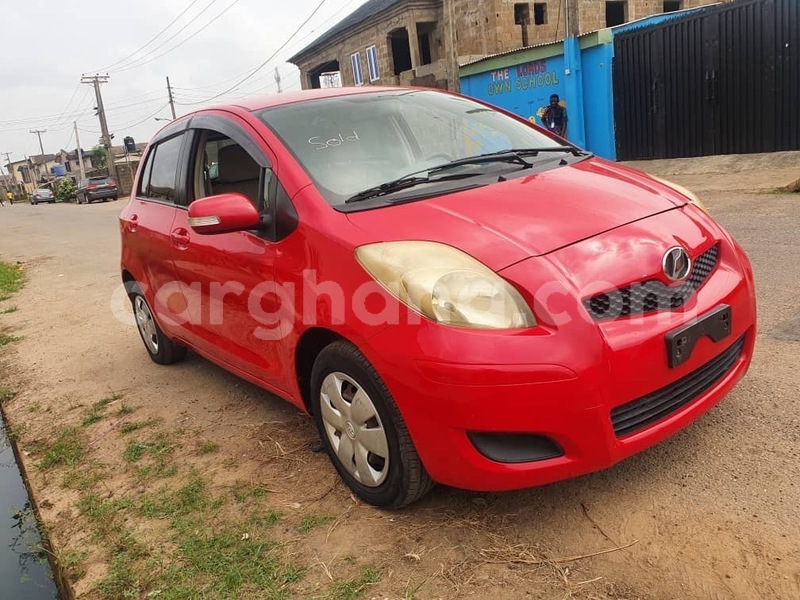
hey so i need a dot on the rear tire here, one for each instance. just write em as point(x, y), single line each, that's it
point(363, 431)
point(160, 348)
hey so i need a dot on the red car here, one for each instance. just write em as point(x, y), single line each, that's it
point(454, 294)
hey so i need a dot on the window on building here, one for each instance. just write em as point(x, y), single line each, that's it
point(425, 35)
point(355, 63)
point(672, 5)
point(425, 49)
point(68, 166)
point(325, 75)
point(26, 175)
point(372, 63)
point(401, 50)
point(540, 13)
point(522, 17)
point(616, 13)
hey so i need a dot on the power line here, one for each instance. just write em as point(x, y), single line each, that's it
point(225, 81)
point(151, 40)
point(147, 118)
point(226, 9)
point(263, 64)
point(143, 60)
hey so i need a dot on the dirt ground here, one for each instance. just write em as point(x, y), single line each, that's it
point(714, 512)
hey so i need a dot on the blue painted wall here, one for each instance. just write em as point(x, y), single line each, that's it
point(598, 100)
point(521, 89)
point(525, 87)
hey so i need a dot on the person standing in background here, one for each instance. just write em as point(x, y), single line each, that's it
point(554, 117)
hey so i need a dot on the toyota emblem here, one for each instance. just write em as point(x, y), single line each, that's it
point(676, 264)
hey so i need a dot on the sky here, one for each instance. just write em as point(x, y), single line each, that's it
point(205, 47)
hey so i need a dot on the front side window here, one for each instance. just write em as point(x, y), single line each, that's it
point(372, 63)
point(223, 166)
point(160, 170)
point(350, 143)
point(355, 63)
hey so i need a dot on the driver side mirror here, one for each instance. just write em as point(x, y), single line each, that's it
point(223, 213)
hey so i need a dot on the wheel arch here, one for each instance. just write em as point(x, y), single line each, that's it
point(310, 344)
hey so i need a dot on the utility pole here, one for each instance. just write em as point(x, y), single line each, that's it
point(572, 23)
point(80, 152)
point(96, 80)
point(39, 133)
point(171, 99)
point(452, 43)
point(278, 79)
point(8, 173)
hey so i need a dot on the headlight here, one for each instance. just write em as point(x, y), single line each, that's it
point(690, 196)
point(446, 285)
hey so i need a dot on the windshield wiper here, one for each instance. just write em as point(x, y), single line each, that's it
point(512, 155)
point(402, 183)
point(413, 179)
point(535, 151)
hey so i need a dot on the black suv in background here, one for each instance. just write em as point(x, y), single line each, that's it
point(96, 188)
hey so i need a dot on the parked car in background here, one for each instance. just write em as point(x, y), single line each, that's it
point(96, 188)
point(43, 195)
point(455, 294)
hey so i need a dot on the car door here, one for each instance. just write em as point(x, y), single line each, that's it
point(147, 226)
point(228, 277)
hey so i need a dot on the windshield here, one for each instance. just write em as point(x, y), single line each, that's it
point(351, 143)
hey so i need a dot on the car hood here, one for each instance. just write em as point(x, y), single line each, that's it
point(506, 222)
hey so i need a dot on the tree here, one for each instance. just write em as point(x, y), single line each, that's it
point(66, 189)
point(98, 155)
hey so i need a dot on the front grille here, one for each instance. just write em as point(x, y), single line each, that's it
point(650, 296)
point(640, 413)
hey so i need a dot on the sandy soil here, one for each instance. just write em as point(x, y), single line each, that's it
point(712, 513)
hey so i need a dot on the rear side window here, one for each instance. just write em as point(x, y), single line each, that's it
point(160, 170)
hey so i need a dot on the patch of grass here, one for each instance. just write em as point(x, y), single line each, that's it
point(6, 393)
point(243, 492)
point(83, 478)
point(103, 515)
point(125, 579)
point(313, 521)
point(69, 448)
point(208, 448)
point(353, 588)
point(125, 410)
point(158, 450)
point(265, 520)
point(8, 339)
point(9, 310)
point(72, 563)
point(137, 425)
point(12, 278)
point(224, 564)
point(15, 432)
point(189, 498)
point(95, 413)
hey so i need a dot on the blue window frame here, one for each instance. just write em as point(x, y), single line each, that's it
point(372, 63)
point(358, 74)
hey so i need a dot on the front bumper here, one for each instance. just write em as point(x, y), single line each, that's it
point(561, 382)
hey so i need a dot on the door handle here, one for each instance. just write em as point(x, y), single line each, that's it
point(133, 223)
point(180, 238)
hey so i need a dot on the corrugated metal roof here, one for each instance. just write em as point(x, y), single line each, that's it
point(362, 13)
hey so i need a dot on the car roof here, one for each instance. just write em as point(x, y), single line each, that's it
point(262, 102)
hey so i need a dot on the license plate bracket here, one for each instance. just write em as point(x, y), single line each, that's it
point(681, 341)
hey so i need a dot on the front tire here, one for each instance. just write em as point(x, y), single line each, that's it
point(363, 431)
point(160, 348)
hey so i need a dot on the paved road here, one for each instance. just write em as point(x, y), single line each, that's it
point(715, 511)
